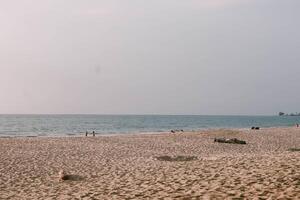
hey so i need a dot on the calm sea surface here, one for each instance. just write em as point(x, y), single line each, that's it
point(62, 125)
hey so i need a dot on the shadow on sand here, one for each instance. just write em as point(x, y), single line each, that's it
point(176, 158)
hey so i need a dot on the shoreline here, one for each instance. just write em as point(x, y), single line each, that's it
point(82, 134)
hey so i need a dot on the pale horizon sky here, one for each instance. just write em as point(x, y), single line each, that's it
point(209, 57)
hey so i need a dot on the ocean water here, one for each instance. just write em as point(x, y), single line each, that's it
point(62, 125)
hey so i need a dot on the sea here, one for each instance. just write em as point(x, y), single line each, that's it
point(77, 125)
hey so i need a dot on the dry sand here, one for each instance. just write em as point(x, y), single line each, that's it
point(125, 167)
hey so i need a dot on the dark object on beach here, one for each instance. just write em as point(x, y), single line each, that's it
point(86, 134)
point(255, 128)
point(73, 177)
point(176, 158)
point(64, 177)
point(294, 149)
point(231, 141)
point(93, 133)
point(174, 131)
point(297, 125)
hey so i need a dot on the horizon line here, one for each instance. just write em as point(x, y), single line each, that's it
point(134, 114)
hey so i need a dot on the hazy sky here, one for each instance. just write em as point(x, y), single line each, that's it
point(150, 56)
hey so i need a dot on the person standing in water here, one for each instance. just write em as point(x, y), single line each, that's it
point(94, 133)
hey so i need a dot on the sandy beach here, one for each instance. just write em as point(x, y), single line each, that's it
point(129, 166)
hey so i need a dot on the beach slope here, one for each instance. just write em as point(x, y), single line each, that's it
point(147, 166)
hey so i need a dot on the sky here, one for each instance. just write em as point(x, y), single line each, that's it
point(207, 57)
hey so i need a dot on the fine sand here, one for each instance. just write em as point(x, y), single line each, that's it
point(130, 167)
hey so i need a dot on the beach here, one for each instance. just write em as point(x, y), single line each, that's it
point(134, 166)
